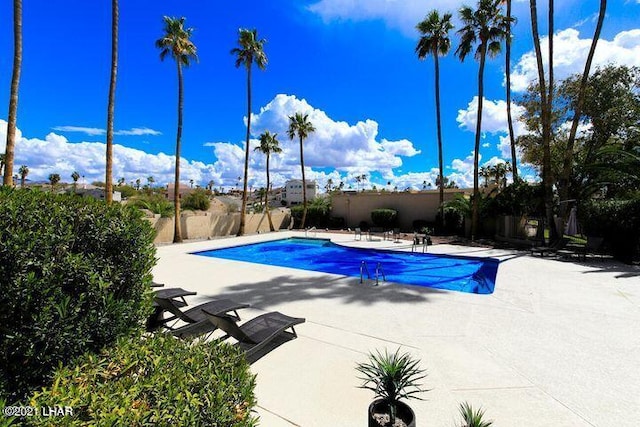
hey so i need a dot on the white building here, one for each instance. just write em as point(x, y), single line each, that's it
point(292, 192)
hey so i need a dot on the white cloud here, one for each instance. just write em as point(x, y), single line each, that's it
point(494, 117)
point(348, 148)
point(570, 54)
point(138, 132)
point(97, 131)
point(334, 144)
point(56, 154)
point(87, 130)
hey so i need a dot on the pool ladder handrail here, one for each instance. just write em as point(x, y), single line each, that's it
point(306, 232)
point(379, 271)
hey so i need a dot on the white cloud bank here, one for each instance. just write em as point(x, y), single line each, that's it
point(570, 54)
point(337, 151)
point(97, 131)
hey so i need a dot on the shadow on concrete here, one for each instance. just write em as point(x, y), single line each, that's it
point(341, 290)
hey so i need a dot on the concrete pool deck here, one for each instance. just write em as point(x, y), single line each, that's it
point(556, 344)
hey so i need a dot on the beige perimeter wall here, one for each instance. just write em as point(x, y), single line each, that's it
point(205, 225)
point(355, 208)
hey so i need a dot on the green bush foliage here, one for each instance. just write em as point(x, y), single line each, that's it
point(197, 200)
point(154, 380)
point(155, 203)
point(618, 221)
point(74, 276)
point(385, 218)
point(318, 212)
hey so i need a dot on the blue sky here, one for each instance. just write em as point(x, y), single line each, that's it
point(350, 64)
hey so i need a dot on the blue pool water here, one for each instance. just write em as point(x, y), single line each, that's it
point(464, 274)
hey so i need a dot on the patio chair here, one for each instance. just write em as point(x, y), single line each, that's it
point(550, 250)
point(177, 295)
point(592, 247)
point(358, 234)
point(259, 335)
point(195, 315)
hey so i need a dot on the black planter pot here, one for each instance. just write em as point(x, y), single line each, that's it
point(404, 412)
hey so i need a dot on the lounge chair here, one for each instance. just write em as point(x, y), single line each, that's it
point(259, 335)
point(592, 247)
point(194, 315)
point(550, 250)
point(358, 234)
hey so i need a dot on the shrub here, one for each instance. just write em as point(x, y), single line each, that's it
point(154, 380)
point(318, 211)
point(197, 200)
point(155, 203)
point(385, 218)
point(618, 221)
point(126, 191)
point(74, 276)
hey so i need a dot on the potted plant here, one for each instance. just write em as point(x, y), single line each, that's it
point(391, 377)
point(471, 418)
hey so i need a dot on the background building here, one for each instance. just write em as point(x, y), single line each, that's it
point(291, 194)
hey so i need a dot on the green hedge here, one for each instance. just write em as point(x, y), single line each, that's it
point(155, 203)
point(618, 221)
point(155, 380)
point(317, 216)
point(74, 277)
point(197, 200)
point(386, 218)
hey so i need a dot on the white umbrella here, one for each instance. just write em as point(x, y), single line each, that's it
point(571, 228)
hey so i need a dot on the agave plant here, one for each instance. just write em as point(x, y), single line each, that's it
point(391, 377)
point(471, 418)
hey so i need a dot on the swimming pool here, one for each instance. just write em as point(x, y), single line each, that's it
point(463, 274)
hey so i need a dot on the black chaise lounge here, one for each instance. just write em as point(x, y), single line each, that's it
point(259, 335)
point(195, 319)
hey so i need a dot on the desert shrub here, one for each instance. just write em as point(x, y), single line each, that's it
point(318, 211)
point(74, 276)
point(155, 203)
point(126, 191)
point(618, 221)
point(197, 200)
point(385, 218)
point(154, 380)
point(336, 222)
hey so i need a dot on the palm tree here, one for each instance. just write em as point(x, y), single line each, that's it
point(250, 51)
point(23, 171)
point(268, 144)
point(138, 187)
point(299, 124)
point(191, 182)
point(329, 185)
point(121, 182)
point(210, 185)
point(75, 176)
point(546, 98)
point(507, 60)
point(108, 180)
point(2, 157)
point(54, 178)
point(176, 42)
point(487, 27)
point(13, 97)
point(435, 41)
point(568, 154)
point(150, 181)
point(485, 172)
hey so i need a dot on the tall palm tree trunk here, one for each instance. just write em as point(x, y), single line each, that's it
point(507, 55)
point(546, 125)
point(246, 157)
point(476, 150)
point(13, 98)
point(568, 154)
point(439, 130)
point(304, 188)
point(108, 189)
point(266, 198)
point(177, 228)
